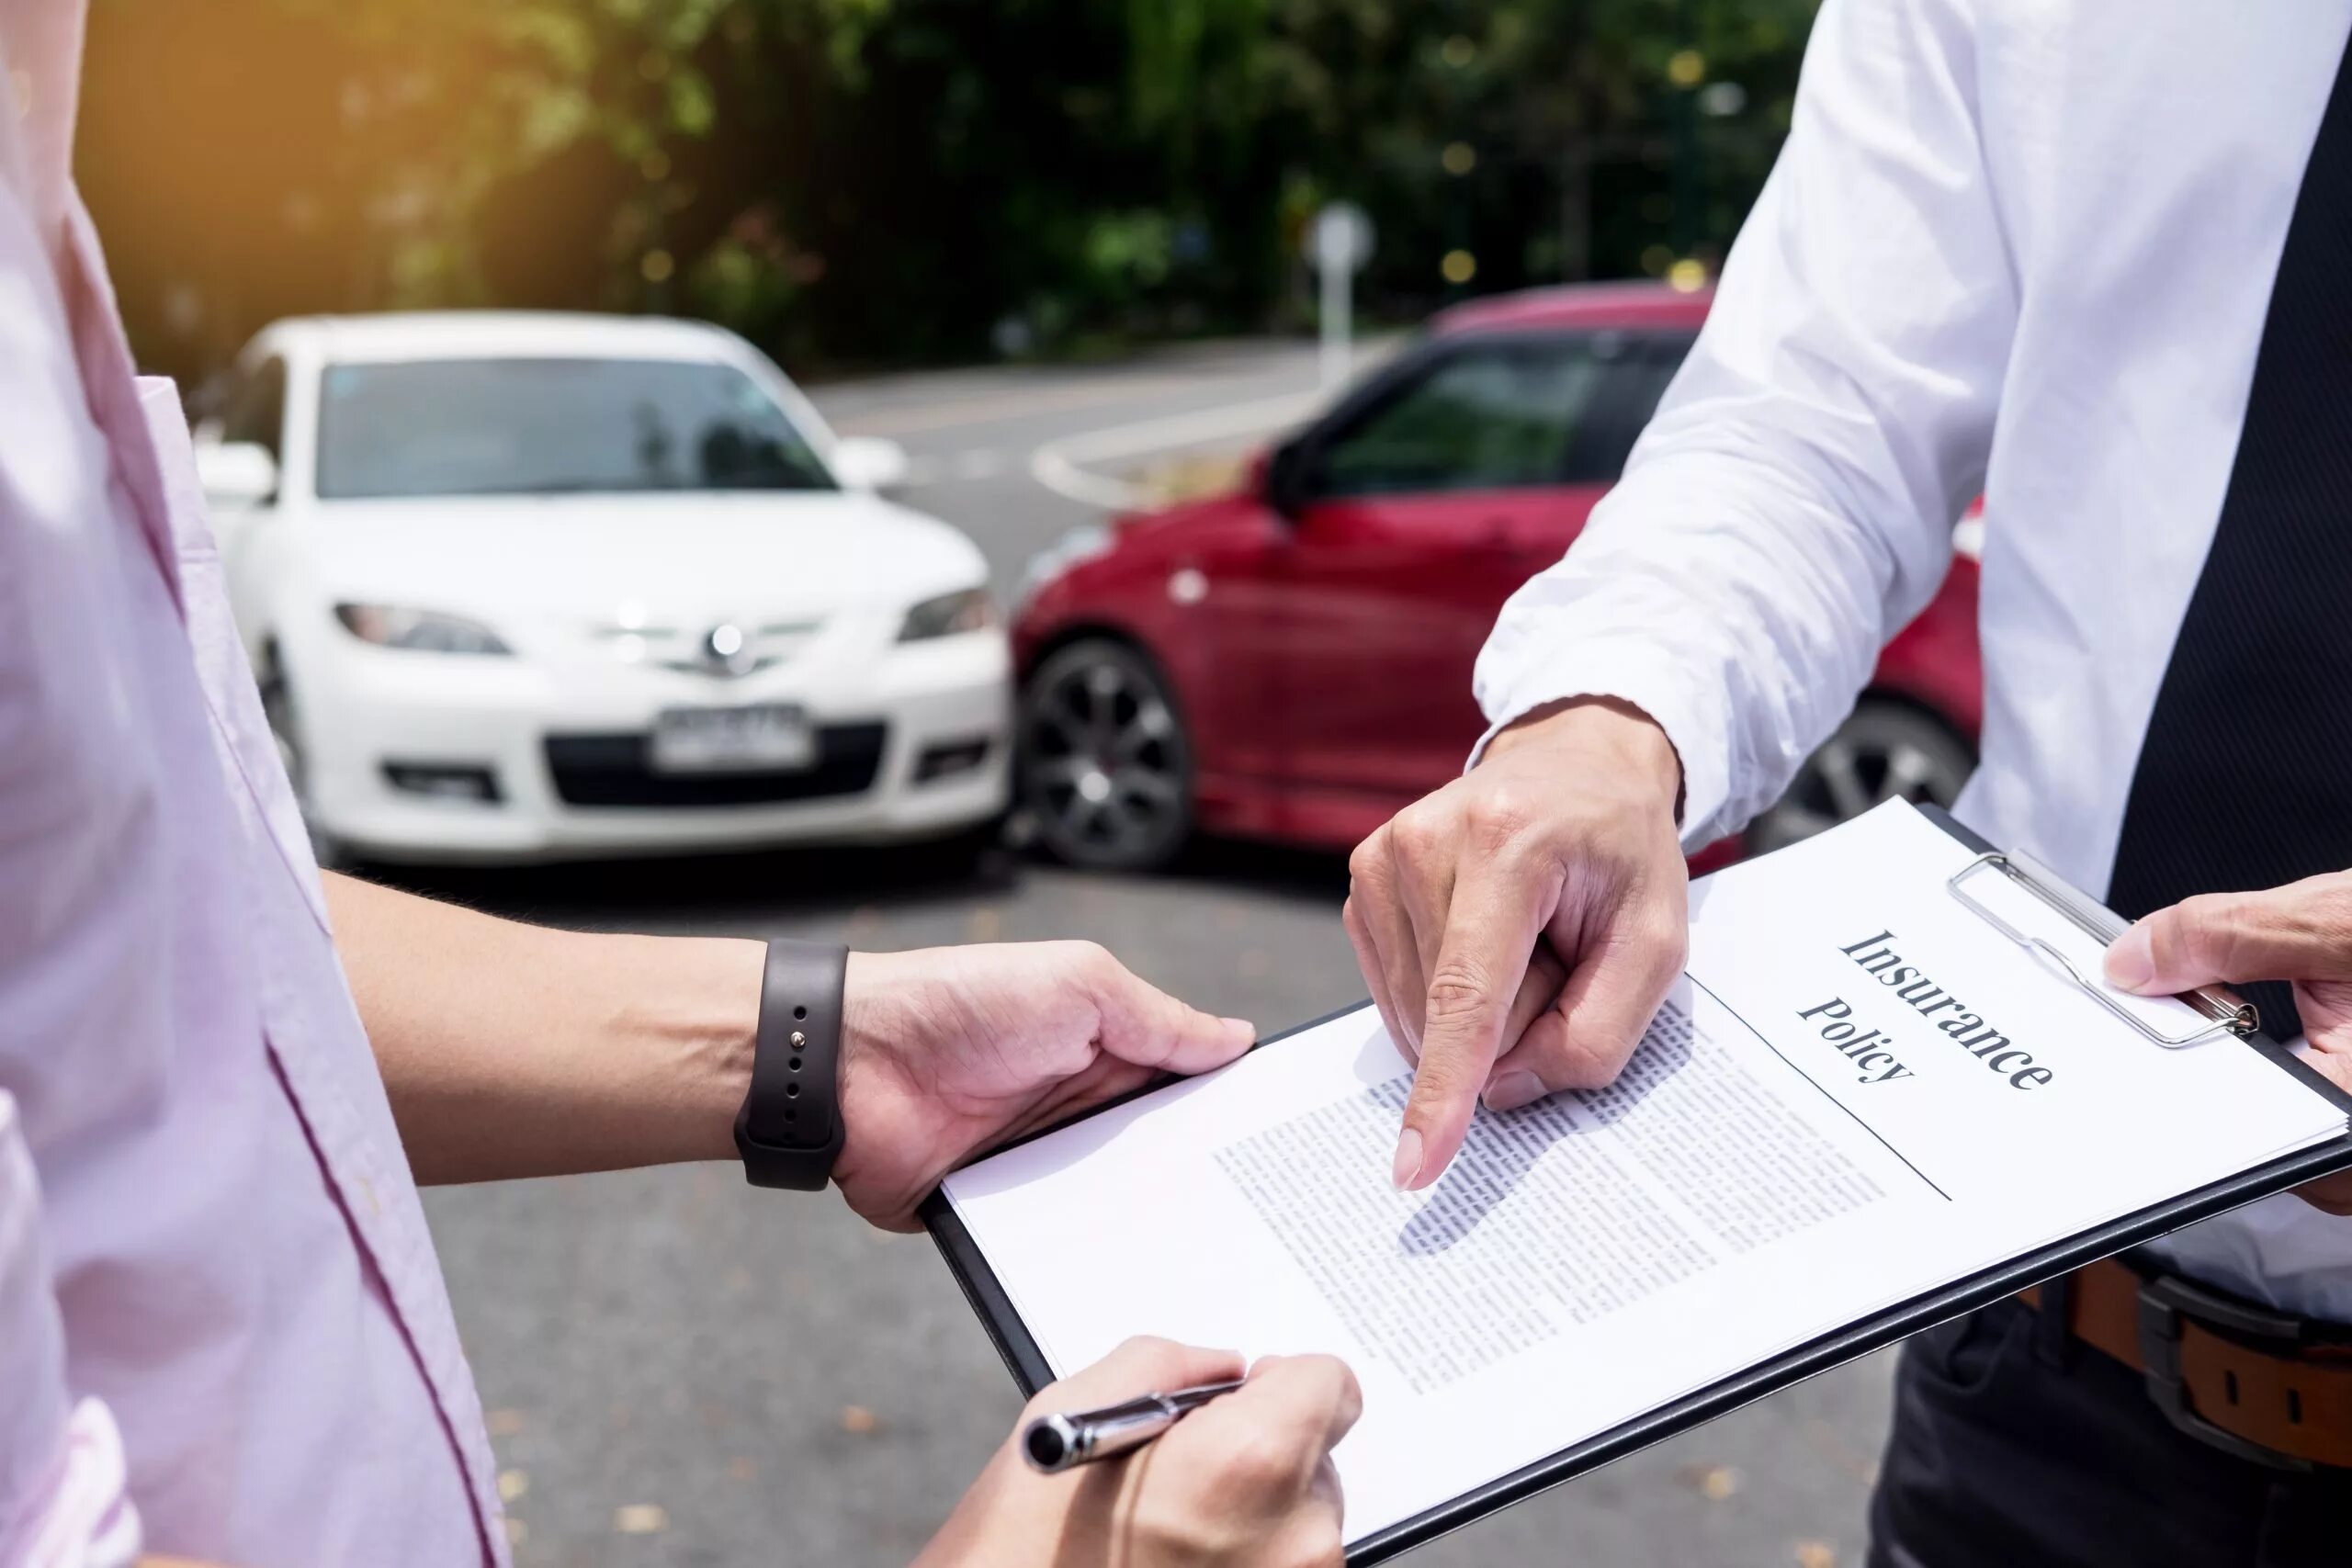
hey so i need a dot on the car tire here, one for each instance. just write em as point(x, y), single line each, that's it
point(277, 707)
point(1884, 750)
point(1106, 765)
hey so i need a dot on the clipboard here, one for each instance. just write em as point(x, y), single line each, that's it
point(2225, 1013)
point(2228, 1016)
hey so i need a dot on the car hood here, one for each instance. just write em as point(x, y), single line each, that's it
point(600, 558)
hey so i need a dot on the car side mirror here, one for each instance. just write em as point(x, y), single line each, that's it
point(870, 463)
point(235, 475)
point(1282, 479)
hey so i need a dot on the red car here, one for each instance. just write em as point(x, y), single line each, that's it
point(1292, 661)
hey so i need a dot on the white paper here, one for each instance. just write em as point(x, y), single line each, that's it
point(1859, 1092)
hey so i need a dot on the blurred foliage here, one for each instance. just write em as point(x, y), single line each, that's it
point(852, 181)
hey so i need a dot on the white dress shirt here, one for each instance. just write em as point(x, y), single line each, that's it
point(2024, 247)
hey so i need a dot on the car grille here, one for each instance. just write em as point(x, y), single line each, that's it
point(611, 769)
point(764, 646)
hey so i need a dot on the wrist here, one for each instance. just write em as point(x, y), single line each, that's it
point(1000, 1520)
point(659, 1034)
point(866, 993)
point(789, 1129)
point(712, 1030)
point(1607, 731)
point(874, 1089)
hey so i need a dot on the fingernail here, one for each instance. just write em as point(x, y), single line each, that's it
point(1241, 1023)
point(1513, 1090)
point(2131, 960)
point(1408, 1160)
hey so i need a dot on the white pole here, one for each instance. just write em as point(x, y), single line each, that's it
point(1338, 306)
point(1338, 244)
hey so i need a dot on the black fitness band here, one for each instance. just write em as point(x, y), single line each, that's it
point(789, 1131)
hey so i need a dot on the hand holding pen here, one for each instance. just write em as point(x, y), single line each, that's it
point(1058, 1442)
point(1238, 1479)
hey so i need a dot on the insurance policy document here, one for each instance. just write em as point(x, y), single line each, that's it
point(1861, 1091)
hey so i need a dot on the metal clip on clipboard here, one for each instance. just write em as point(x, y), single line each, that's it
point(2230, 1015)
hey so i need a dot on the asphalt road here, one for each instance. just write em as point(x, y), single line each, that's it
point(680, 1370)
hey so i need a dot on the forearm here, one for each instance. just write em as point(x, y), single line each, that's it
point(1745, 638)
point(509, 1050)
point(1792, 505)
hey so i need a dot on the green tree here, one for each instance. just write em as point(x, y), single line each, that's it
point(858, 180)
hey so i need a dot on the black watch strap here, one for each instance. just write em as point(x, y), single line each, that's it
point(789, 1131)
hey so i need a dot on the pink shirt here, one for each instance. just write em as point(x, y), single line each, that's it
point(215, 1237)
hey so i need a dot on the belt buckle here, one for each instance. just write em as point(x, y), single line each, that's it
point(2165, 1300)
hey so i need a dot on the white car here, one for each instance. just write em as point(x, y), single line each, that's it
point(522, 586)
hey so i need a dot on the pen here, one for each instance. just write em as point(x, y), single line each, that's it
point(1055, 1443)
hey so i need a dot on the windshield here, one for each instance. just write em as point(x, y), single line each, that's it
point(536, 426)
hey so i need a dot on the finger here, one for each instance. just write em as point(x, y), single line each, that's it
point(2327, 1010)
point(1425, 877)
point(2302, 931)
point(1142, 1365)
point(1584, 1039)
point(1538, 989)
point(1380, 904)
point(1489, 937)
point(1374, 975)
point(1104, 1080)
point(1530, 1009)
point(1326, 1490)
point(1325, 1519)
point(1320, 1392)
point(2329, 1195)
point(1315, 1533)
point(1299, 1406)
point(1144, 1024)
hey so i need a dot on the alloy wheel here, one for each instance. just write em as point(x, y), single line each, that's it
point(1106, 767)
point(1883, 752)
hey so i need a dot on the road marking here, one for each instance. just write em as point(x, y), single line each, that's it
point(954, 468)
point(1060, 466)
point(982, 463)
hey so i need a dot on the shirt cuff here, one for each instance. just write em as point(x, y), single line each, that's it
point(1638, 676)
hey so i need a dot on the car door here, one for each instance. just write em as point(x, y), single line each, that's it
point(1417, 512)
point(1214, 611)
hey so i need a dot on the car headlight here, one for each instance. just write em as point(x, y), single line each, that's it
point(423, 631)
point(1083, 543)
point(966, 610)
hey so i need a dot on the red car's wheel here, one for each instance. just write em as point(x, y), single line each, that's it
point(1884, 749)
point(1106, 770)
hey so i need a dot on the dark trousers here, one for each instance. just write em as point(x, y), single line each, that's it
point(2014, 1449)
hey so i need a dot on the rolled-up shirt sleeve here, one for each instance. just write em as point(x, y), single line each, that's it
point(63, 1498)
point(1792, 506)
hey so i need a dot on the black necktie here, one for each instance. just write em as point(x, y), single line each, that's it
point(2244, 779)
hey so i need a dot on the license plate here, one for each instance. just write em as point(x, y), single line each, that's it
point(771, 737)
